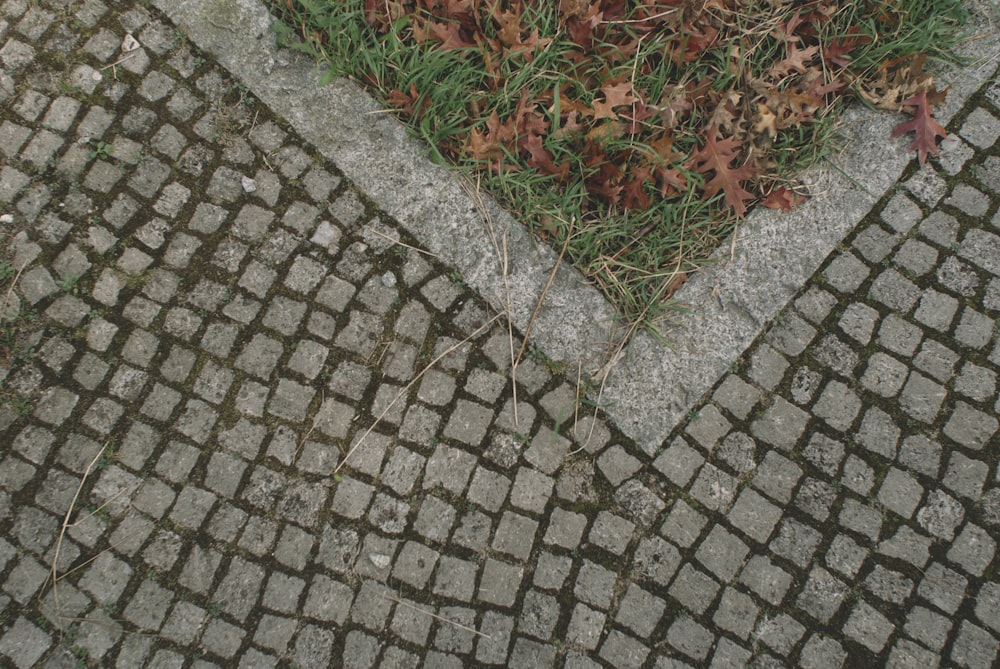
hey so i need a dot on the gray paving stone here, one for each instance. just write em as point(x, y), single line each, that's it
point(714, 488)
point(690, 638)
point(973, 550)
point(767, 367)
point(617, 465)
point(531, 490)
point(610, 532)
point(965, 476)
point(694, 589)
point(455, 578)
point(974, 329)
point(754, 515)
point(929, 627)
point(595, 585)
point(679, 462)
point(766, 579)
point(708, 427)
point(969, 426)
point(845, 273)
point(907, 545)
point(921, 397)
point(943, 587)
point(585, 627)
point(868, 627)
point(623, 650)
point(499, 583)
point(974, 647)
point(781, 424)
point(24, 643)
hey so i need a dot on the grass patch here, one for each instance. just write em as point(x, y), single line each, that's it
point(643, 130)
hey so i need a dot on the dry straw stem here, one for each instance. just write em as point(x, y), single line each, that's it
point(10, 291)
point(66, 525)
point(504, 260)
point(437, 617)
point(401, 243)
point(409, 385)
point(545, 291)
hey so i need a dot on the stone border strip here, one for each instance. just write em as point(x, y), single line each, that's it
point(654, 385)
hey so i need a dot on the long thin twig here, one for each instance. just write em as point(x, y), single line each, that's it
point(504, 260)
point(401, 243)
point(10, 290)
point(541, 298)
point(437, 617)
point(66, 525)
point(409, 385)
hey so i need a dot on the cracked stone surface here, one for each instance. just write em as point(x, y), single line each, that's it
point(222, 430)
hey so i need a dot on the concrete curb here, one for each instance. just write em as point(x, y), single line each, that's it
point(654, 385)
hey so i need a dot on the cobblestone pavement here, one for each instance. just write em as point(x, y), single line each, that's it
point(220, 447)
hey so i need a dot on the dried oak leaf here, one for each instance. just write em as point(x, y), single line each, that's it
point(782, 198)
point(615, 95)
point(716, 157)
point(923, 125)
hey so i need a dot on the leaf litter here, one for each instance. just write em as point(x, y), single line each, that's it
point(640, 131)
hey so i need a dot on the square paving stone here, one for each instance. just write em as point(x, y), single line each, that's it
point(473, 531)
point(24, 643)
point(565, 528)
point(148, 607)
point(328, 600)
point(900, 493)
point(906, 653)
point(922, 398)
point(499, 583)
point(694, 589)
point(679, 462)
point(969, 426)
point(868, 627)
point(768, 580)
point(976, 382)
point(714, 488)
point(291, 401)
point(656, 560)
point(781, 424)
point(515, 535)
point(888, 585)
point(822, 595)
point(754, 515)
point(547, 450)
point(780, 633)
point(777, 476)
point(585, 627)
point(610, 532)
point(708, 427)
point(595, 585)
point(624, 651)
point(690, 638)
point(736, 613)
point(351, 498)
point(456, 637)
point(965, 476)
point(488, 489)
point(538, 615)
point(435, 518)
point(973, 550)
point(640, 611)
point(930, 627)
point(722, 553)
point(468, 423)
point(412, 622)
point(822, 652)
point(845, 556)
point(531, 490)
